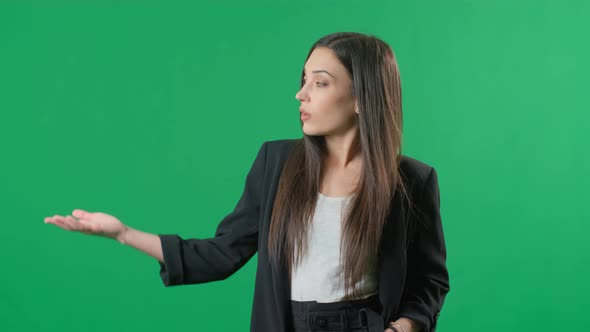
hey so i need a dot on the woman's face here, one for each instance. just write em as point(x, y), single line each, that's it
point(327, 103)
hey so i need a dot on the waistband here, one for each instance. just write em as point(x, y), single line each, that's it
point(370, 302)
point(340, 316)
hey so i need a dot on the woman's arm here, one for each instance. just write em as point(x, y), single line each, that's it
point(191, 261)
point(142, 241)
point(105, 225)
point(427, 280)
point(188, 261)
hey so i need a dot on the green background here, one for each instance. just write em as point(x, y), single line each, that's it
point(153, 112)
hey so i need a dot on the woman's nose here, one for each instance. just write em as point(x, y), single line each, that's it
point(300, 95)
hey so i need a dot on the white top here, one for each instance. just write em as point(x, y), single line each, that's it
point(319, 277)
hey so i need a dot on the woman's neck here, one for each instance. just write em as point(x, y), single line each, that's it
point(343, 151)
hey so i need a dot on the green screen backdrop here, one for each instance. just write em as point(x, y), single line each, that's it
point(154, 111)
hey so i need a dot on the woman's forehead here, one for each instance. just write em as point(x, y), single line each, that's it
point(323, 61)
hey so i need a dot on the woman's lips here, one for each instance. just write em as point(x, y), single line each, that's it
point(304, 114)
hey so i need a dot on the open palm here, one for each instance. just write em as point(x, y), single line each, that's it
point(94, 223)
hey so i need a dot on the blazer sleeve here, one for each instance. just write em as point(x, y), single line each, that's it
point(427, 279)
point(191, 261)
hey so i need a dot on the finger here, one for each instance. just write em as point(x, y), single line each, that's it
point(70, 222)
point(87, 226)
point(79, 225)
point(51, 220)
point(75, 224)
point(58, 221)
point(81, 214)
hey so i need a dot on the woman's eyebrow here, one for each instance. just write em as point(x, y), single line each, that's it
point(320, 71)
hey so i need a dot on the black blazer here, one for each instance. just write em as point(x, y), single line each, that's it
point(413, 278)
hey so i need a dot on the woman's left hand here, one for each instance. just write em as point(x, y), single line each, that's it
point(407, 325)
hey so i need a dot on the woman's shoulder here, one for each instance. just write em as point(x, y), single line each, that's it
point(414, 170)
point(282, 144)
point(276, 152)
point(279, 149)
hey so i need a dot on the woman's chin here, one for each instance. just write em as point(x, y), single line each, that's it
point(311, 132)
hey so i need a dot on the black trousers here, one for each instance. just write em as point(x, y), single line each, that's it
point(362, 315)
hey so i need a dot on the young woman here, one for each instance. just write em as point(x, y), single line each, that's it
point(347, 229)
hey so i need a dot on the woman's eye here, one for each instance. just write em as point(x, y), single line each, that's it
point(316, 83)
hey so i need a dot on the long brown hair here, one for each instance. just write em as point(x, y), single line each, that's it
point(376, 85)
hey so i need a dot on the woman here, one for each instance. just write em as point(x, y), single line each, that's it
point(347, 229)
